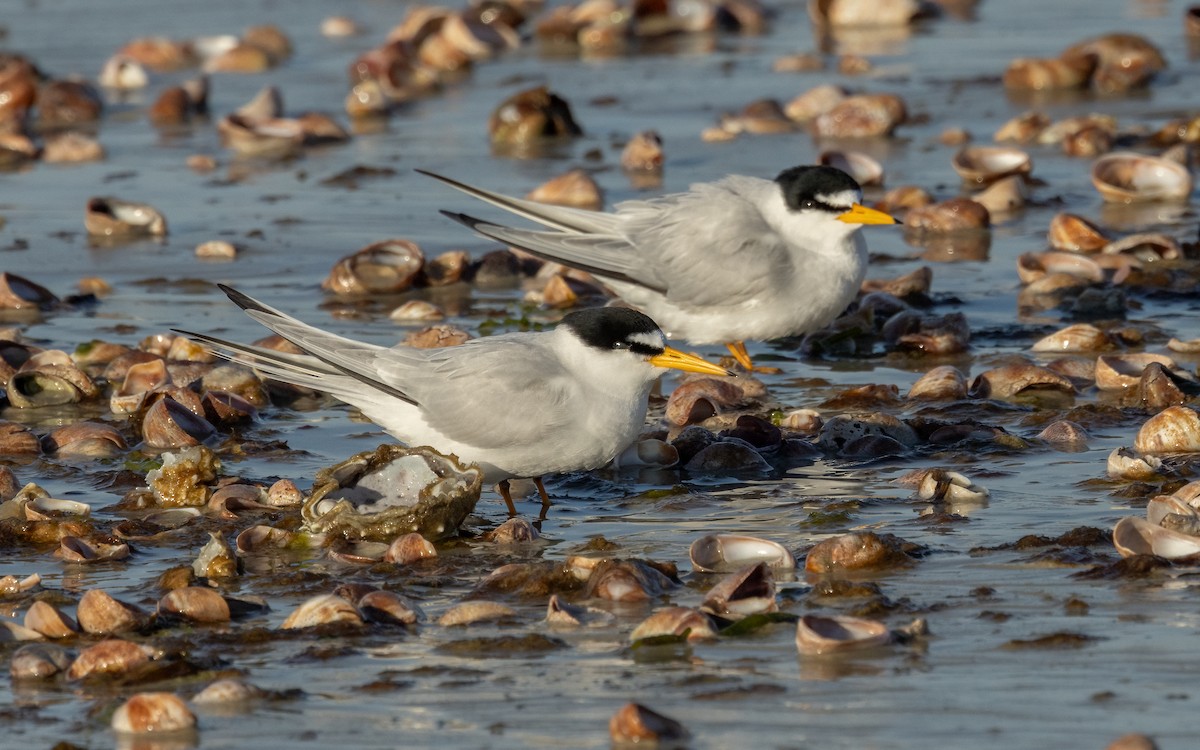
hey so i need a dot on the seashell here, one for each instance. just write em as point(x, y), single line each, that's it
point(170, 424)
point(1075, 234)
point(408, 549)
point(100, 614)
point(123, 73)
point(71, 148)
point(1124, 61)
point(378, 495)
point(643, 153)
point(723, 553)
point(73, 549)
point(227, 408)
point(231, 498)
point(1146, 246)
point(259, 538)
point(386, 267)
point(748, 591)
point(284, 494)
point(801, 62)
point(356, 553)
point(1055, 74)
point(67, 104)
point(1011, 381)
point(216, 559)
point(85, 439)
point(106, 216)
point(156, 714)
point(761, 116)
point(1034, 267)
point(46, 619)
point(270, 39)
point(181, 479)
point(1157, 509)
point(1128, 177)
point(865, 170)
point(469, 613)
point(337, 27)
point(854, 13)
point(1065, 435)
point(939, 485)
point(159, 53)
point(1137, 536)
point(1004, 195)
point(854, 551)
point(10, 584)
point(626, 581)
point(561, 614)
point(1190, 346)
point(1079, 337)
point(1023, 128)
point(388, 608)
point(236, 380)
point(697, 399)
point(843, 430)
point(817, 635)
point(228, 692)
point(1119, 372)
point(416, 310)
point(108, 658)
point(1123, 464)
point(512, 531)
point(325, 609)
point(262, 138)
point(1189, 493)
point(530, 116)
point(195, 603)
point(575, 188)
point(728, 456)
point(648, 452)
point(671, 621)
point(317, 128)
point(156, 524)
point(862, 116)
point(1091, 140)
point(942, 383)
point(19, 293)
point(447, 268)
point(814, 102)
point(1175, 429)
point(983, 165)
point(953, 215)
point(38, 661)
point(633, 723)
point(1062, 132)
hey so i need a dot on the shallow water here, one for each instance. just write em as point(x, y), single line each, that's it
point(960, 688)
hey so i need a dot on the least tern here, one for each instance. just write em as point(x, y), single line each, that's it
point(739, 258)
point(517, 404)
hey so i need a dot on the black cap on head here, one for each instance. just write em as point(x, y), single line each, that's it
point(610, 327)
point(801, 184)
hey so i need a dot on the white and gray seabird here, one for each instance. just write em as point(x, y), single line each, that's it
point(740, 258)
point(518, 404)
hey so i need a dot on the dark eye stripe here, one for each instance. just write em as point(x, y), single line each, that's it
point(644, 349)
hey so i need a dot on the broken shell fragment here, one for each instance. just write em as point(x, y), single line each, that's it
point(748, 591)
point(1175, 429)
point(1129, 177)
point(216, 559)
point(1124, 464)
point(633, 723)
point(1013, 381)
point(723, 553)
point(153, 713)
point(381, 494)
point(562, 614)
point(681, 621)
point(939, 485)
point(73, 549)
point(817, 635)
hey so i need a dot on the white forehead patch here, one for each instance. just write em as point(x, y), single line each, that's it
point(841, 198)
point(652, 339)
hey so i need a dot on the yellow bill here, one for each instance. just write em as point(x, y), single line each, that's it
point(677, 360)
point(862, 215)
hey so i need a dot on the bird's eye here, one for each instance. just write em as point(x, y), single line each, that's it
point(622, 345)
point(808, 204)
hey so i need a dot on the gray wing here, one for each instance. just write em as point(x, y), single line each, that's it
point(562, 218)
point(492, 392)
point(711, 245)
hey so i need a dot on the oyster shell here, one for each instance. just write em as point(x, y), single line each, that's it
point(379, 495)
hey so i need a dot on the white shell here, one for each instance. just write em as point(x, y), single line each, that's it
point(816, 635)
point(722, 553)
point(1137, 536)
point(1128, 177)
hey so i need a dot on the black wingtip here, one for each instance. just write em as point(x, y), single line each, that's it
point(467, 221)
point(241, 300)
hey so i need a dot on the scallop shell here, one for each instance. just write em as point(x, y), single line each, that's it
point(1128, 177)
point(723, 553)
point(817, 635)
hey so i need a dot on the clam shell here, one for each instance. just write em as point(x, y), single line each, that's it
point(865, 170)
point(1039, 74)
point(942, 383)
point(100, 614)
point(562, 614)
point(153, 713)
point(675, 621)
point(1175, 429)
point(1023, 128)
point(723, 553)
point(633, 724)
point(853, 551)
point(108, 658)
point(409, 548)
point(862, 116)
point(857, 13)
point(195, 603)
point(814, 102)
point(1156, 510)
point(953, 215)
point(46, 619)
point(1124, 464)
point(1075, 234)
point(1079, 337)
point(1004, 195)
point(1128, 177)
point(106, 216)
point(259, 538)
point(1010, 381)
point(468, 613)
point(85, 439)
point(74, 549)
point(1119, 372)
point(817, 635)
point(575, 188)
point(169, 424)
point(322, 610)
point(388, 608)
point(33, 389)
point(983, 165)
point(227, 692)
point(1137, 536)
point(748, 591)
point(38, 661)
point(512, 531)
point(384, 267)
point(626, 581)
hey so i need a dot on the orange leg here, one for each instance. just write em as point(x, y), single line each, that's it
point(504, 493)
point(738, 350)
